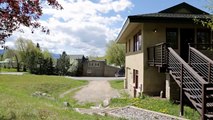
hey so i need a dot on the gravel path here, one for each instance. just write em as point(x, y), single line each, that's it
point(133, 113)
point(12, 73)
point(96, 91)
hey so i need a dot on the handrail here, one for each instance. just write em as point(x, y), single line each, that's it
point(201, 54)
point(201, 63)
point(199, 44)
point(191, 83)
point(187, 66)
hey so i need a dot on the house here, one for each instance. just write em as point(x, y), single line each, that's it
point(159, 58)
point(98, 68)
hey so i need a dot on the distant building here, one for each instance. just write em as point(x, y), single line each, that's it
point(98, 68)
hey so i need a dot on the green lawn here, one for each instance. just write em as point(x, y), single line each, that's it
point(117, 84)
point(156, 104)
point(151, 103)
point(8, 70)
point(17, 102)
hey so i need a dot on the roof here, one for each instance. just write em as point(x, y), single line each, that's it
point(183, 5)
point(167, 17)
point(76, 56)
point(181, 13)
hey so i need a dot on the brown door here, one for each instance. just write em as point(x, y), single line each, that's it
point(135, 81)
point(186, 37)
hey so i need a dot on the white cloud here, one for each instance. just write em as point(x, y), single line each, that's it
point(82, 27)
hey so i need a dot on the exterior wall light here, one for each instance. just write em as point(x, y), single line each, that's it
point(155, 30)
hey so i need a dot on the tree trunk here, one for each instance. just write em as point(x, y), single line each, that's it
point(18, 66)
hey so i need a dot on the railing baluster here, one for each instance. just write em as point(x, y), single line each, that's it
point(209, 72)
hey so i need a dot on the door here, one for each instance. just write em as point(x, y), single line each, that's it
point(186, 37)
point(135, 81)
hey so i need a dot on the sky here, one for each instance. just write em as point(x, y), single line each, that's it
point(86, 26)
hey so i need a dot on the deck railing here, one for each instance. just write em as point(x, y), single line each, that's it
point(201, 63)
point(188, 79)
point(195, 87)
point(157, 55)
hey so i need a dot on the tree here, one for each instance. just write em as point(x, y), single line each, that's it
point(63, 64)
point(208, 21)
point(14, 13)
point(24, 47)
point(11, 53)
point(115, 54)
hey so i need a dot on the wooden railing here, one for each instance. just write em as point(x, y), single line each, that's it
point(157, 55)
point(193, 84)
point(202, 46)
point(201, 63)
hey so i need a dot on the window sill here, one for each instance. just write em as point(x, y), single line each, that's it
point(133, 53)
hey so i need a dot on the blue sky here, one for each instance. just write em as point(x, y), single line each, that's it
point(86, 26)
point(150, 6)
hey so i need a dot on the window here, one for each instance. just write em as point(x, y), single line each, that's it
point(172, 37)
point(137, 41)
point(203, 37)
point(93, 64)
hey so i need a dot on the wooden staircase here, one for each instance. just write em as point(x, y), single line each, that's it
point(194, 79)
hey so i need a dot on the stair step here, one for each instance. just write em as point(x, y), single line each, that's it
point(189, 90)
point(173, 68)
point(191, 83)
point(195, 98)
point(209, 115)
point(209, 91)
point(198, 105)
point(177, 78)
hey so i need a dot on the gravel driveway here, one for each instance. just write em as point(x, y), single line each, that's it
point(96, 91)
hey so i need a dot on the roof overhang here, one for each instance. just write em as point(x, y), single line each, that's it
point(126, 29)
point(168, 18)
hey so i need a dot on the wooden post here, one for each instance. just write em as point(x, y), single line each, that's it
point(203, 102)
point(181, 92)
point(209, 72)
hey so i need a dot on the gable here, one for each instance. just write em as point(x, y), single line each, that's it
point(184, 8)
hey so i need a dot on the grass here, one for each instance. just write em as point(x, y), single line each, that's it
point(17, 102)
point(117, 84)
point(8, 70)
point(151, 103)
point(156, 104)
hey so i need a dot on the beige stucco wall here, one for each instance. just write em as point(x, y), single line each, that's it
point(151, 80)
point(134, 62)
point(154, 81)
